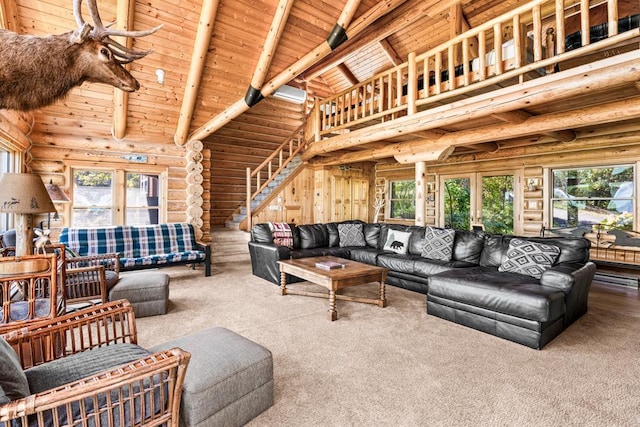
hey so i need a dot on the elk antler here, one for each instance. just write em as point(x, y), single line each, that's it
point(101, 32)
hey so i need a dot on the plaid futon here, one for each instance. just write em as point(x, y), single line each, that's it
point(138, 246)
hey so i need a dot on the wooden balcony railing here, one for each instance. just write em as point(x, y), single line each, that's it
point(527, 42)
point(261, 176)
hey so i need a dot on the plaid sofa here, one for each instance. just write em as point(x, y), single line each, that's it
point(141, 246)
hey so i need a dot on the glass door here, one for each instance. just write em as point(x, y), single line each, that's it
point(479, 200)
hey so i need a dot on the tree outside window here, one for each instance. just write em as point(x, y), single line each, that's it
point(402, 199)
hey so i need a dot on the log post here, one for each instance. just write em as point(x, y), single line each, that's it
point(412, 88)
point(421, 192)
point(124, 19)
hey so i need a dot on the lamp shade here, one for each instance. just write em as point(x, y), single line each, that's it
point(24, 193)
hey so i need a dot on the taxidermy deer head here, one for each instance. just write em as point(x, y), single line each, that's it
point(37, 71)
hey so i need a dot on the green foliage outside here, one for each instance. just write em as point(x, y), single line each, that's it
point(403, 205)
point(88, 178)
point(497, 204)
point(457, 203)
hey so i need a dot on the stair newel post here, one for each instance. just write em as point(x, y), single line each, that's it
point(318, 124)
point(248, 199)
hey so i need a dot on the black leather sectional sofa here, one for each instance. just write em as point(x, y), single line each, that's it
point(468, 289)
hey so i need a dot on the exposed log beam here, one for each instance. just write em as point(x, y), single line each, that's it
point(390, 52)
point(125, 15)
point(455, 28)
point(413, 150)
point(519, 116)
point(322, 50)
point(486, 147)
point(198, 57)
point(618, 70)
point(11, 133)
point(437, 152)
point(391, 24)
point(9, 15)
point(346, 72)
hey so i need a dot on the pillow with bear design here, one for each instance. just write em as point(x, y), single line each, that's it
point(397, 241)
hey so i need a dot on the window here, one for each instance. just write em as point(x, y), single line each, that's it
point(116, 197)
point(8, 163)
point(589, 196)
point(402, 199)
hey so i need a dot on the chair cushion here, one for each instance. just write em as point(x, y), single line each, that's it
point(111, 278)
point(13, 381)
point(77, 366)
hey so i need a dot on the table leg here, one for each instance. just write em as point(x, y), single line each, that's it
point(283, 283)
point(383, 301)
point(333, 314)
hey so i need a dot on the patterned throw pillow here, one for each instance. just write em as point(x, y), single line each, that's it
point(397, 241)
point(351, 235)
point(529, 258)
point(439, 243)
point(13, 381)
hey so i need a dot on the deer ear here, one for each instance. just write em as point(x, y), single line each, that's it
point(81, 34)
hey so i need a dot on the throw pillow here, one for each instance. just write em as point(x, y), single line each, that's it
point(282, 234)
point(439, 243)
point(529, 258)
point(13, 381)
point(351, 235)
point(397, 241)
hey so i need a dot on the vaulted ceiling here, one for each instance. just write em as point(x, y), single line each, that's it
point(231, 57)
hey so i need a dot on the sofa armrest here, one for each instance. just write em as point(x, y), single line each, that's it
point(264, 260)
point(575, 281)
point(206, 248)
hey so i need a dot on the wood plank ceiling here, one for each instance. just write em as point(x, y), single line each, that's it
point(240, 28)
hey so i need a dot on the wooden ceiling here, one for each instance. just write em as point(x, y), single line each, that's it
point(240, 29)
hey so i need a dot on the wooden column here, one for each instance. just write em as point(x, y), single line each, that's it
point(421, 192)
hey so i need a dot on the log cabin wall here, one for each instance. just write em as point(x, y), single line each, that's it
point(533, 165)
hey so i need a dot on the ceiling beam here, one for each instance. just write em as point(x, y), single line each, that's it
point(346, 72)
point(198, 58)
point(338, 34)
point(390, 52)
point(519, 116)
point(126, 10)
point(618, 70)
point(390, 24)
point(422, 150)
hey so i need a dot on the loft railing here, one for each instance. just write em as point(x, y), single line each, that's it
point(261, 176)
point(527, 41)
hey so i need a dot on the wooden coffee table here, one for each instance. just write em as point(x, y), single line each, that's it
point(354, 273)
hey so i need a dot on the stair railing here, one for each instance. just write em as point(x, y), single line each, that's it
point(283, 156)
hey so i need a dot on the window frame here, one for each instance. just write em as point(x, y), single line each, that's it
point(552, 193)
point(118, 188)
point(390, 200)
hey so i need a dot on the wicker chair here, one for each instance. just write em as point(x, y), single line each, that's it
point(145, 391)
point(29, 290)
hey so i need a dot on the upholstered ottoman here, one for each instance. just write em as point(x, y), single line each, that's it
point(229, 380)
point(147, 292)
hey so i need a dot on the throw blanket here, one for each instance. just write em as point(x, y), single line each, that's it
point(282, 234)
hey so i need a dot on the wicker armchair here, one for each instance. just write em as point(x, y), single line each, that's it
point(29, 290)
point(145, 391)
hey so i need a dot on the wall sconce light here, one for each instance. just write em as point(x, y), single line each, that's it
point(160, 75)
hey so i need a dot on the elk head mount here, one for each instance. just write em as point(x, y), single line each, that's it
point(37, 71)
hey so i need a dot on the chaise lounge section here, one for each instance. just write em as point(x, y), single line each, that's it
point(524, 289)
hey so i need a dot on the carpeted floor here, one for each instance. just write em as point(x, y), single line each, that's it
point(398, 366)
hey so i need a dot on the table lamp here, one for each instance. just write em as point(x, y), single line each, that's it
point(24, 194)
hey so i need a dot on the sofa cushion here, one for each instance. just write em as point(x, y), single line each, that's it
point(425, 267)
point(367, 255)
point(261, 233)
point(160, 259)
point(468, 246)
point(397, 241)
point(438, 243)
point(529, 258)
point(313, 236)
point(351, 235)
point(372, 235)
point(509, 293)
point(334, 236)
point(13, 381)
point(396, 262)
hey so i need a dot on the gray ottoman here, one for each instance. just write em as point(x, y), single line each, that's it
point(229, 380)
point(147, 292)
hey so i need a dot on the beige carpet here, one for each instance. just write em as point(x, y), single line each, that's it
point(398, 366)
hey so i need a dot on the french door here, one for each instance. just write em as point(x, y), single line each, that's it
point(487, 200)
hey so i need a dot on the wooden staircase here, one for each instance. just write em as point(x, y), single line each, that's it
point(229, 246)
